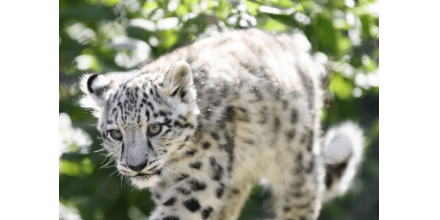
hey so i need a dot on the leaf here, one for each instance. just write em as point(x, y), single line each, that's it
point(341, 87)
point(326, 34)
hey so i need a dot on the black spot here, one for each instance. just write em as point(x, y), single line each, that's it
point(183, 94)
point(183, 191)
point(248, 141)
point(182, 177)
point(299, 157)
point(221, 124)
point(229, 147)
point(243, 115)
point(235, 191)
point(171, 217)
point(188, 125)
point(192, 204)
point(216, 168)
point(162, 113)
point(277, 124)
point(156, 195)
point(183, 117)
point(151, 106)
point(302, 218)
point(191, 152)
point(170, 202)
point(195, 165)
point(286, 209)
point(197, 185)
point(215, 136)
point(167, 121)
point(206, 212)
point(294, 116)
point(206, 145)
point(229, 114)
point(177, 124)
point(309, 146)
point(158, 172)
point(219, 191)
point(297, 194)
point(290, 134)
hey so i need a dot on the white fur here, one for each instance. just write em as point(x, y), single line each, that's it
point(348, 145)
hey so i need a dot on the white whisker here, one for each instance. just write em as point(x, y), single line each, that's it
point(96, 151)
point(165, 166)
point(170, 158)
point(167, 177)
point(176, 167)
point(113, 173)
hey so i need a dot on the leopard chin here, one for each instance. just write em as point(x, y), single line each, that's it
point(142, 182)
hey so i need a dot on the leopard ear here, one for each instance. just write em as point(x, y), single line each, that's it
point(97, 89)
point(178, 81)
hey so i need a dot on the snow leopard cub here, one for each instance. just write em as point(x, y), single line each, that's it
point(200, 125)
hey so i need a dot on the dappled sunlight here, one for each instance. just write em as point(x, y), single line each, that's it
point(72, 139)
point(137, 51)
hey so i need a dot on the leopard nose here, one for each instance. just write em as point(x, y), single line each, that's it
point(139, 166)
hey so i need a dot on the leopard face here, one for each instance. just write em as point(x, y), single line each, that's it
point(145, 123)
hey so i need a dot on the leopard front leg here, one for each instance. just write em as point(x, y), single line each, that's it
point(190, 199)
point(236, 197)
point(197, 192)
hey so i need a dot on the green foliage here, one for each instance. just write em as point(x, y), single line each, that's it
point(119, 35)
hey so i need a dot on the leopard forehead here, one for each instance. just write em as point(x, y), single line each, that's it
point(139, 101)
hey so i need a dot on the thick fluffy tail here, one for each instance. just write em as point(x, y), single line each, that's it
point(343, 145)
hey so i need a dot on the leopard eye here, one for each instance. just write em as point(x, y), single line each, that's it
point(116, 134)
point(154, 129)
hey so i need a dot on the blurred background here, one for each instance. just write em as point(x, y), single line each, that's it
point(115, 37)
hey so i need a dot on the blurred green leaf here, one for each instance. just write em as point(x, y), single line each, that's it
point(341, 86)
point(70, 168)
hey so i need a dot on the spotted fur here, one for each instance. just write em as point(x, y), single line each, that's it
point(203, 123)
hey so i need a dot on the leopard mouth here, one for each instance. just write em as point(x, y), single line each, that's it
point(143, 174)
point(157, 172)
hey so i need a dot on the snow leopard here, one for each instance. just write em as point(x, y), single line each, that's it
point(200, 125)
